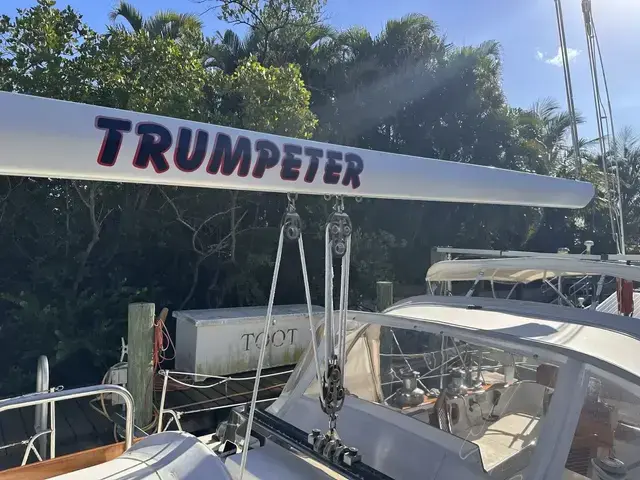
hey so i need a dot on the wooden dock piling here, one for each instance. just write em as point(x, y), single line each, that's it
point(140, 373)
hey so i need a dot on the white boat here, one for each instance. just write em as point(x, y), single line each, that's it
point(521, 390)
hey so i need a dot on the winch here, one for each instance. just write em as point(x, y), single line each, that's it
point(460, 381)
point(409, 395)
point(609, 468)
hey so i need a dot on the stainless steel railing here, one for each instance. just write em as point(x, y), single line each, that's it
point(43, 398)
point(41, 420)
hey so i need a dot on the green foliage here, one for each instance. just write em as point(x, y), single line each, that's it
point(75, 253)
point(268, 99)
point(274, 25)
point(143, 73)
point(165, 24)
point(273, 15)
point(37, 48)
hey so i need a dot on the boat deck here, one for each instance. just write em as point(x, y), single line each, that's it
point(80, 427)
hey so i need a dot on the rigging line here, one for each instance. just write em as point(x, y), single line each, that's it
point(267, 325)
point(597, 104)
point(613, 135)
point(337, 245)
point(329, 337)
point(344, 304)
point(307, 293)
point(568, 86)
point(599, 107)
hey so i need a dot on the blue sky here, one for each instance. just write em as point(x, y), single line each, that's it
point(526, 29)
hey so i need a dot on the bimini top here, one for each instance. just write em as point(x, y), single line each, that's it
point(527, 269)
point(57, 139)
point(596, 337)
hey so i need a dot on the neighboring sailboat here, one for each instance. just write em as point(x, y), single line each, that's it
point(549, 269)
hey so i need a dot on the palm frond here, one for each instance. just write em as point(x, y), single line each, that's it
point(128, 12)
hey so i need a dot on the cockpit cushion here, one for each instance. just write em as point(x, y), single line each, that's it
point(167, 455)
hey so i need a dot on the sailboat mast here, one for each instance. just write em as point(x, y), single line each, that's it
point(568, 87)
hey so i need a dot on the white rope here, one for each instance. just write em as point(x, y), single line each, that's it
point(307, 293)
point(329, 337)
point(192, 385)
point(265, 336)
point(222, 377)
point(344, 304)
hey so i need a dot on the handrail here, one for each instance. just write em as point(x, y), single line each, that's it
point(39, 398)
point(41, 418)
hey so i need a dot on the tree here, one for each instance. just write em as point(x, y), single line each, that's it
point(75, 253)
point(166, 24)
point(627, 162)
point(285, 18)
point(227, 50)
point(65, 281)
point(272, 100)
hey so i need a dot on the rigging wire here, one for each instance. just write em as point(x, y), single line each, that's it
point(616, 149)
point(568, 87)
point(606, 129)
point(291, 230)
point(263, 348)
point(307, 293)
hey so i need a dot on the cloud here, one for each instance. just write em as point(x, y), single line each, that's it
point(572, 54)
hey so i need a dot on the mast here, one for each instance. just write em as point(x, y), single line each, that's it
point(568, 87)
point(58, 139)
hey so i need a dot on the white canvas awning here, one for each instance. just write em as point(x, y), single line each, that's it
point(527, 269)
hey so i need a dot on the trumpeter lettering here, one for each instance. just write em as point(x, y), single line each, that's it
point(185, 159)
point(228, 154)
point(268, 157)
point(333, 167)
point(291, 163)
point(354, 169)
point(226, 159)
point(314, 154)
point(154, 141)
point(114, 128)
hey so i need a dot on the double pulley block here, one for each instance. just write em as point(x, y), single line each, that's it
point(332, 389)
point(339, 232)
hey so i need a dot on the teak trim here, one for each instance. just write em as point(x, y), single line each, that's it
point(65, 464)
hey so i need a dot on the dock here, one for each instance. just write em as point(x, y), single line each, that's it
point(200, 407)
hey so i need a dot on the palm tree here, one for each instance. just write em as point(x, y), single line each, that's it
point(226, 50)
point(165, 24)
point(550, 127)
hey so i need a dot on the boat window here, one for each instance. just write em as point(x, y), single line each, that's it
point(490, 397)
point(607, 437)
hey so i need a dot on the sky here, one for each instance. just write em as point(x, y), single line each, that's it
point(526, 29)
